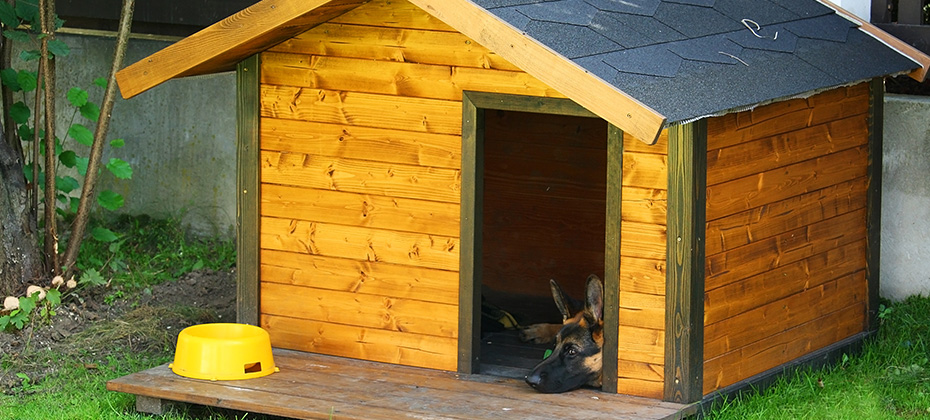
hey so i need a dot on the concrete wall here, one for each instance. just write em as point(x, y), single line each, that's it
point(905, 265)
point(180, 137)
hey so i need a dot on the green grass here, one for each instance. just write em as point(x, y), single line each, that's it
point(150, 251)
point(890, 379)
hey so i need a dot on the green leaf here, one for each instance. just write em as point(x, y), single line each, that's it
point(101, 81)
point(81, 134)
point(119, 168)
point(66, 184)
point(16, 36)
point(58, 48)
point(103, 234)
point(25, 132)
point(92, 277)
point(8, 15)
point(53, 296)
point(10, 79)
point(75, 202)
point(27, 303)
point(20, 113)
point(81, 163)
point(77, 96)
point(110, 200)
point(27, 172)
point(90, 111)
point(28, 11)
point(68, 158)
point(27, 80)
point(117, 143)
point(30, 55)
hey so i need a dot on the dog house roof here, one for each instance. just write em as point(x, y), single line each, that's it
point(639, 64)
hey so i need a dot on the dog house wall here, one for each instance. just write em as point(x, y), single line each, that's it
point(360, 138)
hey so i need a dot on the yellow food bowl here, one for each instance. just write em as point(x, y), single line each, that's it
point(223, 352)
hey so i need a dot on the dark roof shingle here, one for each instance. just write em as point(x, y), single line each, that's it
point(691, 58)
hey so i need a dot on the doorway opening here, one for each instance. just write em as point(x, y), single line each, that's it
point(535, 207)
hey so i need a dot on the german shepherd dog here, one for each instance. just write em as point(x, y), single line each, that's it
point(576, 360)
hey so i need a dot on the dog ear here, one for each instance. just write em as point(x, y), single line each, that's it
point(559, 299)
point(594, 298)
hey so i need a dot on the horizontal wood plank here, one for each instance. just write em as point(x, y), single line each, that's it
point(642, 240)
point(757, 324)
point(358, 309)
point(361, 343)
point(362, 277)
point(362, 109)
point(432, 81)
point(641, 275)
point(361, 176)
point(315, 205)
point(392, 14)
point(644, 345)
point(741, 296)
point(783, 347)
point(772, 219)
point(778, 251)
point(363, 244)
point(645, 205)
point(642, 310)
point(394, 44)
point(648, 389)
point(645, 170)
point(778, 184)
point(364, 143)
point(773, 152)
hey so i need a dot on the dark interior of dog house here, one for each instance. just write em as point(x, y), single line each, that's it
point(543, 218)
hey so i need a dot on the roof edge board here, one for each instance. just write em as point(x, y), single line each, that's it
point(905, 49)
point(589, 91)
point(214, 42)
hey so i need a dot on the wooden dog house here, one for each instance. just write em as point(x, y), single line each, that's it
point(715, 162)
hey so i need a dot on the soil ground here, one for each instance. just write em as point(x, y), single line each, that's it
point(87, 328)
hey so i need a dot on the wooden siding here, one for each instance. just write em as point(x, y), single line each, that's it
point(361, 190)
point(644, 197)
point(361, 153)
point(786, 232)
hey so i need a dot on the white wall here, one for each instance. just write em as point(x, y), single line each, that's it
point(860, 8)
point(905, 256)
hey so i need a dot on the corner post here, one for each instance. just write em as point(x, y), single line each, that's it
point(248, 201)
point(874, 200)
point(684, 299)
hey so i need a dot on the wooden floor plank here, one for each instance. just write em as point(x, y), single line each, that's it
point(311, 386)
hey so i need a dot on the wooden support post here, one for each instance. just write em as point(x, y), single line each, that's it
point(249, 200)
point(470, 237)
point(684, 296)
point(874, 200)
point(612, 260)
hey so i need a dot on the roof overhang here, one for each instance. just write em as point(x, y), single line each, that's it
point(220, 46)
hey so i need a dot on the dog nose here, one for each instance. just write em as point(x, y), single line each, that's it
point(535, 378)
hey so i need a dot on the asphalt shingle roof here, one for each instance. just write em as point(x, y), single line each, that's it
point(691, 58)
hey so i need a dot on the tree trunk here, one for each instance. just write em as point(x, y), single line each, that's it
point(20, 260)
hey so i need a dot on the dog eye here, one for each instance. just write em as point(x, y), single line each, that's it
point(572, 351)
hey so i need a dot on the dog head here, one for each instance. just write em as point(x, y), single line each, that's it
point(576, 359)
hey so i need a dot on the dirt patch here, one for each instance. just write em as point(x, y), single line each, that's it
point(148, 321)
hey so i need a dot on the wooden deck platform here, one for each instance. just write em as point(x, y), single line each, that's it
point(311, 386)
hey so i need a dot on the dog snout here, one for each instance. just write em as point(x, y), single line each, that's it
point(535, 378)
